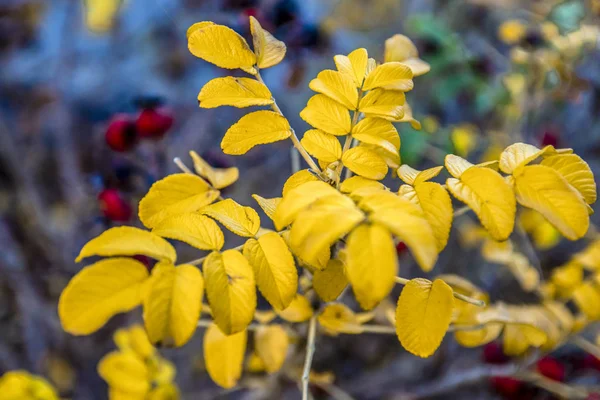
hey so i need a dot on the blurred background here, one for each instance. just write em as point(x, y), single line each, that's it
point(98, 96)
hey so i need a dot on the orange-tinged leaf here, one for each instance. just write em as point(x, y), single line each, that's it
point(259, 127)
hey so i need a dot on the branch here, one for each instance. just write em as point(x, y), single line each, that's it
point(470, 300)
point(310, 351)
point(586, 346)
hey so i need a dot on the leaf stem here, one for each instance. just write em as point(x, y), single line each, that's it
point(293, 137)
point(586, 345)
point(200, 260)
point(470, 300)
point(310, 351)
point(461, 211)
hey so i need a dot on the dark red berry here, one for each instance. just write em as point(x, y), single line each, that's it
point(506, 385)
point(593, 396)
point(551, 368)
point(550, 138)
point(121, 133)
point(153, 123)
point(401, 248)
point(113, 206)
point(147, 261)
point(591, 362)
point(493, 354)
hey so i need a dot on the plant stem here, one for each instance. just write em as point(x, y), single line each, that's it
point(182, 166)
point(348, 142)
point(204, 323)
point(461, 211)
point(475, 302)
point(199, 261)
point(310, 351)
point(293, 137)
point(586, 345)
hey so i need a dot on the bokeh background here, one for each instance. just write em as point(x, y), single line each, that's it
point(75, 76)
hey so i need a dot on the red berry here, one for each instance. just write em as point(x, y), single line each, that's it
point(113, 206)
point(147, 261)
point(550, 138)
point(593, 396)
point(591, 362)
point(551, 368)
point(493, 354)
point(506, 385)
point(120, 134)
point(401, 248)
point(153, 123)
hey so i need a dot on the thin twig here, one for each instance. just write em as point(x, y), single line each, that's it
point(310, 351)
point(205, 323)
point(586, 345)
point(461, 211)
point(470, 300)
point(182, 166)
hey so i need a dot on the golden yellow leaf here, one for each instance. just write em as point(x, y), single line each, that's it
point(166, 391)
point(21, 385)
point(320, 226)
point(230, 290)
point(518, 338)
point(488, 194)
point(172, 303)
point(100, 291)
point(331, 281)
point(408, 117)
point(297, 179)
point(358, 182)
point(423, 315)
point(196, 26)
point(512, 31)
point(243, 221)
point(371, 264)
point(255, 364)
point(378, 127)
point(125, 372)
point(218, 177)
point(381, 146)
point(224, 355)
point(353, 65)
point(192, 228)
point(365, 162)
point(299, 310)
point(274, 269)
point(128, 241)
point(337, 86)
point(264, 317)
point(478, 337)
point(405, 220)
point(175, 194)
point(269, 51)
point(436, 204)
point(327, 115)
point(271, 344)
point(567, 277)
point(298, 198)
point(587, 298)
point(464, 138)
point(391, 76)
point(520, 154)
point(456, 165)
point(259, 127)
point(381, 103)
point(100, 15)
point(413, 176)
point(134, 338)
point(268, 205)
point(322, 146)
point(338, 318)
point(236, 92)
point(400, 48)
point(546, 191)
point(221, 46)
point(577, 172)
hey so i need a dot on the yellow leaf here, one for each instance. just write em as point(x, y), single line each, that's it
point(218, 177)
point(192, 228)
point(414, 177)
point(224, 355)
point(423, 315)
point(353, 65)
point(269, 51)
point(488, 194)
point(380, 146)
point(259, 127)
point(577, 172)
point(456, 165)
point(230, 289)
point(100, 291)
point(236, 92)
point(21, 385)
point(173, 195)
point(264, 317)
point(268, 205)
point(254, 364)
point(365, 162)
point(243, 221)
point(587, 298)
point(378, 127)
point(322, 146)
point(297, 179)
point(436, 204)
point(518, 338)
point(167, 391)
point(330, 282)
point(100, 14)
point(125, 372)
point(271, 344)
point(478, 337)
point(274, 269)
point(128, 241)
point(338, 318)
point(337, 86)
point(134, 338)
point(408, 117)
point(196, 26)
point(358, 182)
point(464, 139)
point(590, 256)
point(520, 154)
point(299, 310)
point(172, 304)
point(512, 31)
point(320, 261)
point(327, 115)
point(297, 199)
point(391, 76)
point(381, 103)
point(546, 191)
point(405, 220)
point(371, 264)
point(401, 48)
point(320, 226)
point(567, 277)
point(221, 46)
